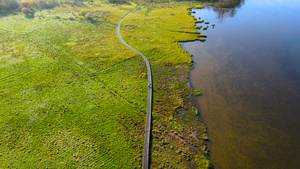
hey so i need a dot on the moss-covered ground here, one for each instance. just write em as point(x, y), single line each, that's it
point(72, 95)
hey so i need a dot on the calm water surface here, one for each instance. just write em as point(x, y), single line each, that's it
point(249, 73)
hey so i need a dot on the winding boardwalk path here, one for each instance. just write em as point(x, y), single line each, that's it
point(149, 103)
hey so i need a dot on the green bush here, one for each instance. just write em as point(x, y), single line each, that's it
point(26, 11)
point(202, 162)
point(204, 136)
point(206, 22)
point(8, 5)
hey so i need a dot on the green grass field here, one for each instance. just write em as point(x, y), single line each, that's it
point(72, 95)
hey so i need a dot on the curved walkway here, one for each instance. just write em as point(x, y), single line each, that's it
point(149, 104)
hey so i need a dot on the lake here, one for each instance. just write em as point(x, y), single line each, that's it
point(248, 70)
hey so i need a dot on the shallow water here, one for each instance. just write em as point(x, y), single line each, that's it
point(249, 73)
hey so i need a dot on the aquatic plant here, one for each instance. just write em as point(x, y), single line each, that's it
point(202, 40)
point(213, 24)
point(204, 36)
point(201, 21)
point(205, 28)
point(199, 7)
point(197, 92)
point(199, 27)
point(206, 22)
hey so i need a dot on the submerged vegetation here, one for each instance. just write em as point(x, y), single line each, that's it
point(197, 93)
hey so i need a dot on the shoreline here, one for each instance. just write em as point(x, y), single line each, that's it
point(183, 114)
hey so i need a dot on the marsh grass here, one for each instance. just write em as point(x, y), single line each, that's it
point(61, 103)
point(73, 96)
point(156, 34)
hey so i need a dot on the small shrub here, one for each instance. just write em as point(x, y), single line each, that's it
point(206, 22)
point(213, 25)
point(195, 111)
point(26, 11)
point(8, 5)
point(204, 136)
point(25, 4)
point(49, 4)
point(202, 162)
point(88, 16)
point(83, 13)
point(168, 64)
point(197, 92)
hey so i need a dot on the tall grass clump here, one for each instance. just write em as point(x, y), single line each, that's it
point(202, 162)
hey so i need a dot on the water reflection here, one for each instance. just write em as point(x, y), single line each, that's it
point(248, 72)
point(227, 9)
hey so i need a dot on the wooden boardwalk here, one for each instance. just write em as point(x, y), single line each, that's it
point(149, 101)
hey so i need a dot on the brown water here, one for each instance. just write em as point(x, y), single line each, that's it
point(249, 73)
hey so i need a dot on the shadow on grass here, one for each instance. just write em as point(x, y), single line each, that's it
point(29, 16)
